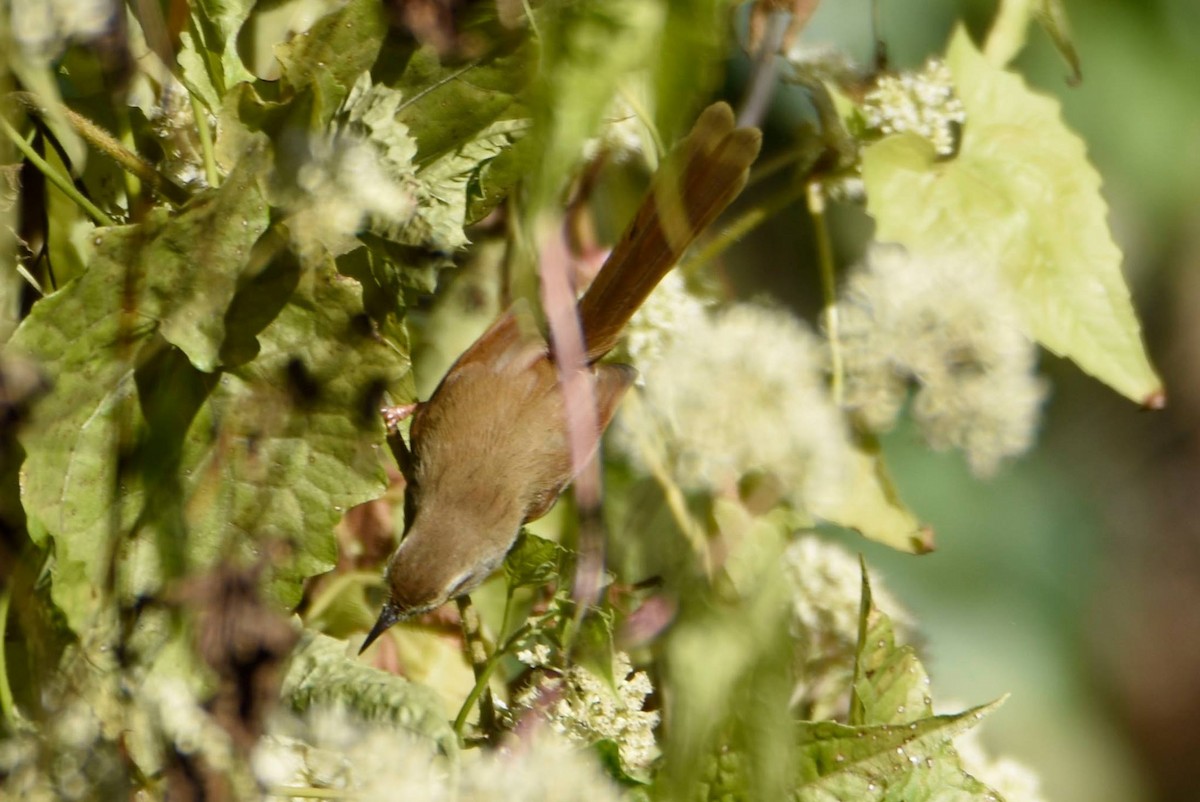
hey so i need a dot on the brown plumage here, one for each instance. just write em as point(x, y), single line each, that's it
point(488, 451)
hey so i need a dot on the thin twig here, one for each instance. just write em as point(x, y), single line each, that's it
point(482, 678)
point(66, 186)
point(472, 629)
point(7, 708)
point(816, 207)
point(107, 144)
point(766, 71)
point(211, 174)
point(579, 405)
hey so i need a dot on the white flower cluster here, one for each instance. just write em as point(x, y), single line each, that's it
point(622, 135)
point(84, 748)
point(667, 314)
point(62, 762)
point(377, 762)
point(357, 175)
point(826, 585)
point(535, 656)
point(921, 101)
point(43, 27)
point(588, 710)
point(176, 712)
point(344, 187)
point(737, 393)
point(952, 329)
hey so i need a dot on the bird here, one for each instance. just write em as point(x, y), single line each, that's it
point(488, 451)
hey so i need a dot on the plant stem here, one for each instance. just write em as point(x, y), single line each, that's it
point(106, 143)
point(816, 207)
point(482, 677)
point(211, 174)
point(133, 184)
point(7, 708)
point(64, 185)
point(472, 628)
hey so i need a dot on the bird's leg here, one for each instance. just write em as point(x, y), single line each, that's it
point(392, 416)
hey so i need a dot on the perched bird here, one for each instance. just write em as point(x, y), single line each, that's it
point(488, 451)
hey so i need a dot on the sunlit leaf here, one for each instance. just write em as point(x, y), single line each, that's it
point(162, 276)
point(287, 442)
point(890, 684)
point(269, 452)
point(446, 186)
point(871, 505)
point(911, 762)
point(1020, 197)
point(208, 58)
point(342, 45)
point(532, 560)
point(447, 105)
point(894, 748)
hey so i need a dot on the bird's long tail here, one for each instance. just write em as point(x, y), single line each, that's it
point(694, 184)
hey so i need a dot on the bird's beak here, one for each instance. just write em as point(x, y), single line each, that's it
point(388, 616)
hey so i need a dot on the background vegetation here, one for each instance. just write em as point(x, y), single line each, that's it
point(232, 231)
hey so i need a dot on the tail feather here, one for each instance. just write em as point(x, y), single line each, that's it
point(693, 186)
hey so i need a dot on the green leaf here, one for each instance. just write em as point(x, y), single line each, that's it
point(594, 646)
point(609, 752)
point(465, 119)
point(728, 661)
point(441, 186)
point(871, 504)
point(322, 675)
point(1020, 198)
point(532, 561)
point(890, 684)
point(140, 460)
point(912, 762)
point(342, 45)
point(448, 105)
point(289, 441)
point(894, 747)
point(208, 57)
point(215, 235)
point(445, 187)
point(689, 61)
point(588, 48)
point(496, 178)
point(407, 254)
point(161, 277)
point(1052, 16)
